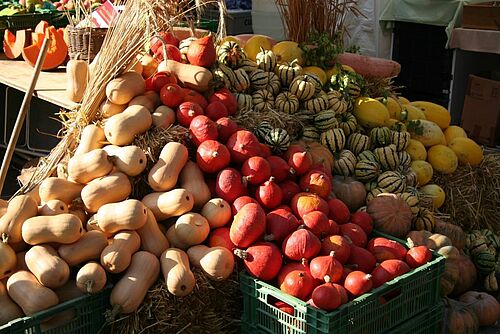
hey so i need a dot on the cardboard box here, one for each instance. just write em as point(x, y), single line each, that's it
point(482, 16)
point(481, 113)
point(238, 21)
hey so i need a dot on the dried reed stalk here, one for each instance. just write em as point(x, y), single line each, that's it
point(252, 119)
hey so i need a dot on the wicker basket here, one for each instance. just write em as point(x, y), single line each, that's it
point(85, 41)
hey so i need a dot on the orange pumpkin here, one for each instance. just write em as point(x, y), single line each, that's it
point(56, 54)
point(13, 45)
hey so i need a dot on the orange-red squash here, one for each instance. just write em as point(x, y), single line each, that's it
point(13, 45)
point(56, 54)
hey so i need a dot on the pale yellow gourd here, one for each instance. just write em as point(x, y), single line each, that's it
point(124, 88)
point(52, 208)
point(62, 229)
point(8, 260)
point(192, 228)
point(176, 272)
point(88, 166)
point(91, 278)
point(108, 109)
point(216, 262)
point(114, 187)
point(88, 247)
point(49, 269)
point(10, 310)
point(217, 212)
point(77, 76)
point(130, 160)
point(130, 214)
point(164, 174)
point(191, 178)
point(169, 204)
point(57, 188)
point(163, 117)
point(152, 238)
point(20, 208)
point(121, 129)
point(92, 137)
point(116, 257)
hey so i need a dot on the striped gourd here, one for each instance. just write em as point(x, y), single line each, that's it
point(273, 83)
point(310, 133)
point(470, 237)
point(412, 201)
point(244, 101)
point(367, 155)
point(387, 157)
point(380, 137)
point(288, 72)
point(266, 60)
point(401, 140)
point(262, 100)
point(242, 82)
point(344, 163)
point(263, 129)
point(305, 116)
point(423, 220)
point(413, 190)
point(366, 170)
point(347, 122)
point(361, 129)
point(491, 282)
point(184, 46)
point(487, 234)
point(350, 105)
point(230, 54)
point(353, 89)
point(411, 177)
point(392, 182)
point(317, 103)
point(485, 262)
point(225, 75)
point(259, 79)
point(318, 86)
point(248, 65)
point(369, 186)
point(303, 87)
point(287, 103)
point(358, 143)
point(373, 193)
point(404, 160)
point(278, 139)
point(336, 102)
point(494, 240)
point(492, 250)
point(325, 120)
point(333, 139)
point(477, 245)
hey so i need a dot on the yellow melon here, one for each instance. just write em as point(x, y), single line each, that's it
point(443, 159)
point(370, 113)
point(403, 100)
point(331, 71)
point(436, 193)
point(253, 45)
point(392, 106)
point(396, 125)
point(430, 134)
point(434, 112)
point(317, 72)
point(287, 51)
point(443, 140)
point(409, 113)
point(467, 151)
point(348, 68)
point(416, 150)
point(423, 170)
point(454, 131)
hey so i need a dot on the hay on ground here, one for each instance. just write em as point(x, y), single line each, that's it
point(252, 119)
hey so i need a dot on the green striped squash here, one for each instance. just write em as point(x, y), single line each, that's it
point(273, 83)
point(344, 163)
point(318, 86)
point(262, 100)
point(244, 101)
point(287, 103)
point(325, 120)
point(412, 201)
point(380, 137)
point(358, 143)
point(369, 186)
point(387, 157)
point(333, 139)
point(242, 80)
point(477, 245)
point(303, 86)
point(259, 79)
point(266, 60)
point(278, 139)
point(401, 140)
point(391, 182)
point(305, 116)
point(367, 155)
point(230, 54)
point(486, 233)
point(317, 103)
point(347, 122)
point(494, 240)
point(287, 72)
point(373, 193)
point(310, 133)
point(493, 250)
point(366, 170)
point(411, 177)
point(485, 262)
point(263, 129)
point(404, 160)
point(423, 220)
point(336, 101)
point(248, 65)
point(225, 75)
point(353, 90)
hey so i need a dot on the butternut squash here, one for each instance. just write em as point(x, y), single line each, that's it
point(34, 195)
point(21, 261)
point(217, 212)
point(109, 109)
point(164, 174)
point(152, 238)
point(92, 138)
point(130, 160)
point(169, 204)
point(8, 260)
point(124, 88)
point(62, 229)
point(91, 278)
point(49, 269)
point(56, 188)
point(116, 257)
point(10, 310)
point(80, 213)
point(176, 272)
point(122, 128)
point(163, 117)
point(216, 262)
point(94, 227)
point(174, 240)
point(130, 214)
point(191, 76)
point(77, 76)
point(88, 166)
point(29, 294)
point(192, 228)
point(144, 101)
point(20, 208)
point(52, 208)
point(191, 178)
point(3, 207)
point(68, 291)
point(128, 294)
point(114, 187)
point(154, 97)
point(88, 247)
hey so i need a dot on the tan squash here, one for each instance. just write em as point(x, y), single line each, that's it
point(116, 257)
point(57, 188)
point(216, 262)
point(29, 294)
point(174, 240)
point(44, 262)
point(149, 65)
point(124, 88)
point(191, 178)
point(88, 247)
point(92, 138)
point(191, 76)
point(3, 207)
point(163, 117)
point(437, 241)
point(109, 109)
point(112, 188)
point(77, 76)
point(94, 227)
point(192, 228)
point(452, 231)
point(169, 204)
point(8, 260)
point(164, 174)
point(10, 310)
point(130, 160)
point(80, 213)
point(121, 129)
point(68, 291)
point(144, 101)
point(128, 294)
point(62, 229)
point(130, 214)
point(91, 278)
point(152, 238)
point(52, 208)
point(21, 261)
point(176, 272)
point(154, 97)
point(217, 212)
point(88, 166)
point(20, 209)
point(418, 238)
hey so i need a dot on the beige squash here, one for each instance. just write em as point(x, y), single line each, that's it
point(174, 240)
point(49, 269)
point(216, 262)
point(130, 214)
point(164, 174)
point(169, 204)
point(92, 138)
point(109, 109)
point(121, 129)
point(192, 228)
point(88, 247)
point(19, 210)
point(91, 278)
point(52, 208)
point(116, 257)
point(191, 178)
point(55, 188)
point(63, 229)
point(130, 160)
point(144, 101)
point(176, 272)
point(163, 117)
point(10, 310)
point(152, 238)
point(88, 166)
point(8, 260)
point(114, 187)
point(217, 212)
point(77, 76)
point(124, 88)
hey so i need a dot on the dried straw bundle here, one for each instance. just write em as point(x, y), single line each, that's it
point(473, 194)
point(252, 119)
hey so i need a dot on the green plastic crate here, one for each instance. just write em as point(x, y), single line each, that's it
point(375, 312)
point(88, 317)
point(428, 322)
